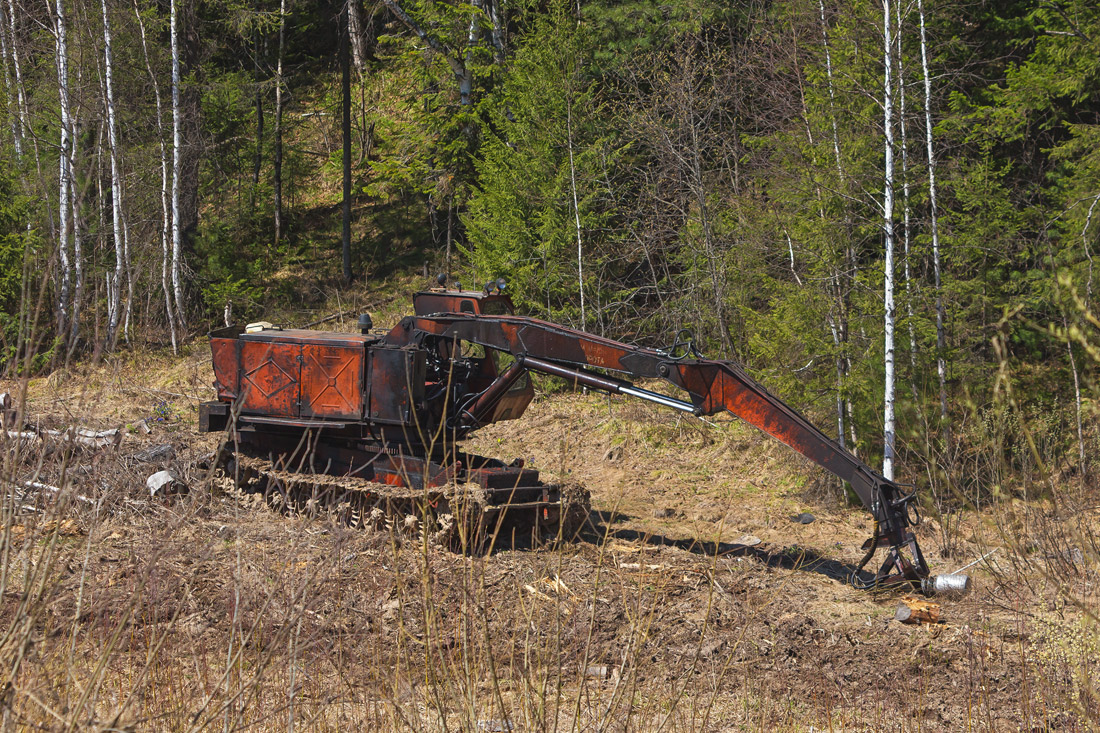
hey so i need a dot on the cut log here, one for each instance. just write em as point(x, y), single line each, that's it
point(75, 436)
point(36, 487)
point(7, 411)
point(154, 453)
point(915, 611)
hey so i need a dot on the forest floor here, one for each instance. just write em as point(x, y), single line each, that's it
point(693, 601)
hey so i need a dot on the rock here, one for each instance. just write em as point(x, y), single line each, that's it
point(663, 512)
point(803, 518)
point(1073, 555)
point(599, 671)
point(165, 483)
point(747, 540)
point(390, 610)
point(155, 453)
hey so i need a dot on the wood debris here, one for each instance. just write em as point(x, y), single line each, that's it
point(913, 610)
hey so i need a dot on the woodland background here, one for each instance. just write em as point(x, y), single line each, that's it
point(876, 207)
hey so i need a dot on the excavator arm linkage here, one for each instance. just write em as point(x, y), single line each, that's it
point(712, 386)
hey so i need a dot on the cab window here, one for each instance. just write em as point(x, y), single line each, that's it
point(495, 307)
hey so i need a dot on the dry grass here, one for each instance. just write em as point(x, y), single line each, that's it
point(209, 612)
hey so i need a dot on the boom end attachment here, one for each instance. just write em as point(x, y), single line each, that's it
point(952, 584)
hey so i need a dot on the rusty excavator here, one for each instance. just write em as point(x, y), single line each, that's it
point(372, 423)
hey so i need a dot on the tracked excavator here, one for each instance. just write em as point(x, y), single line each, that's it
point(372, 423)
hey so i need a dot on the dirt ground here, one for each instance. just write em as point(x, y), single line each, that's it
point(692, 602)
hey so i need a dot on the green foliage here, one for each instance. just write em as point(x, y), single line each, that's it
point(14, 240)
point(234, 269)
point(543, 147)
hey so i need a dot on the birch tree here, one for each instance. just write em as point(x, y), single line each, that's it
point(888, 437)
point(355, 34)
point(838, 321)
point(14, 117)
point(903, 129)
point(941, 338)
point(177, 141)
point(278, 152)
point(114, 280)
point(459, 58)
point(345, 128)
point(166, 220)
point(65, 171)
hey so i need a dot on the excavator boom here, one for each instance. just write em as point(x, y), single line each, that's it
point(712, 387)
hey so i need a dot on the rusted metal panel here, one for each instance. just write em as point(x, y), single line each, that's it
point(396, 386)
point(270, 376)
point(427, 302)
point(404, 470)
point(226, 367)
point(332, 381)
point(505, 477)
point(305, 336)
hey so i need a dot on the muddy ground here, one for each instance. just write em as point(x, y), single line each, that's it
point(692, 601)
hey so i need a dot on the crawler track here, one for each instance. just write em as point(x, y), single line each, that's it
point(461, 516)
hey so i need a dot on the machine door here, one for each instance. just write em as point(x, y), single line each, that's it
point(397, 385)
point(270, 378)
point(332, 381)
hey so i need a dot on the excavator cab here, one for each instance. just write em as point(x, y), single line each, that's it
point(489, 301)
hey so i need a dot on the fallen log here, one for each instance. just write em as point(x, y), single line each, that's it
point(37, 486)
point(76, 436)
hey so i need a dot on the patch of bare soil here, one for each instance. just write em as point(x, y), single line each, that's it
point(693, 601)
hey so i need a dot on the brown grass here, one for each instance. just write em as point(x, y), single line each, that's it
point(207, 611)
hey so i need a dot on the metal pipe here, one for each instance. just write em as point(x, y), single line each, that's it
point(588, 379)
point(660, 399)
point(607, 384)
point(496, 390)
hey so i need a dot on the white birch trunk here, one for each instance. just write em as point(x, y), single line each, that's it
point(1072, 360)
point(839, 382)
point(278, 153)
point(1077, 402)
point(941, 338)
point(355, 32)
point(829, 78)
point(24, 115)
point(576, 206)
point(466, 79)
point(166, 221)
point(889, 437)
point(839, 330)
point(78, 240)
point(905, 209)
point(20, 93)
point(114, 279)
point(127, 305)
point(14, 118)
point(65, 171)
point(790, 252)
point(177, 141)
